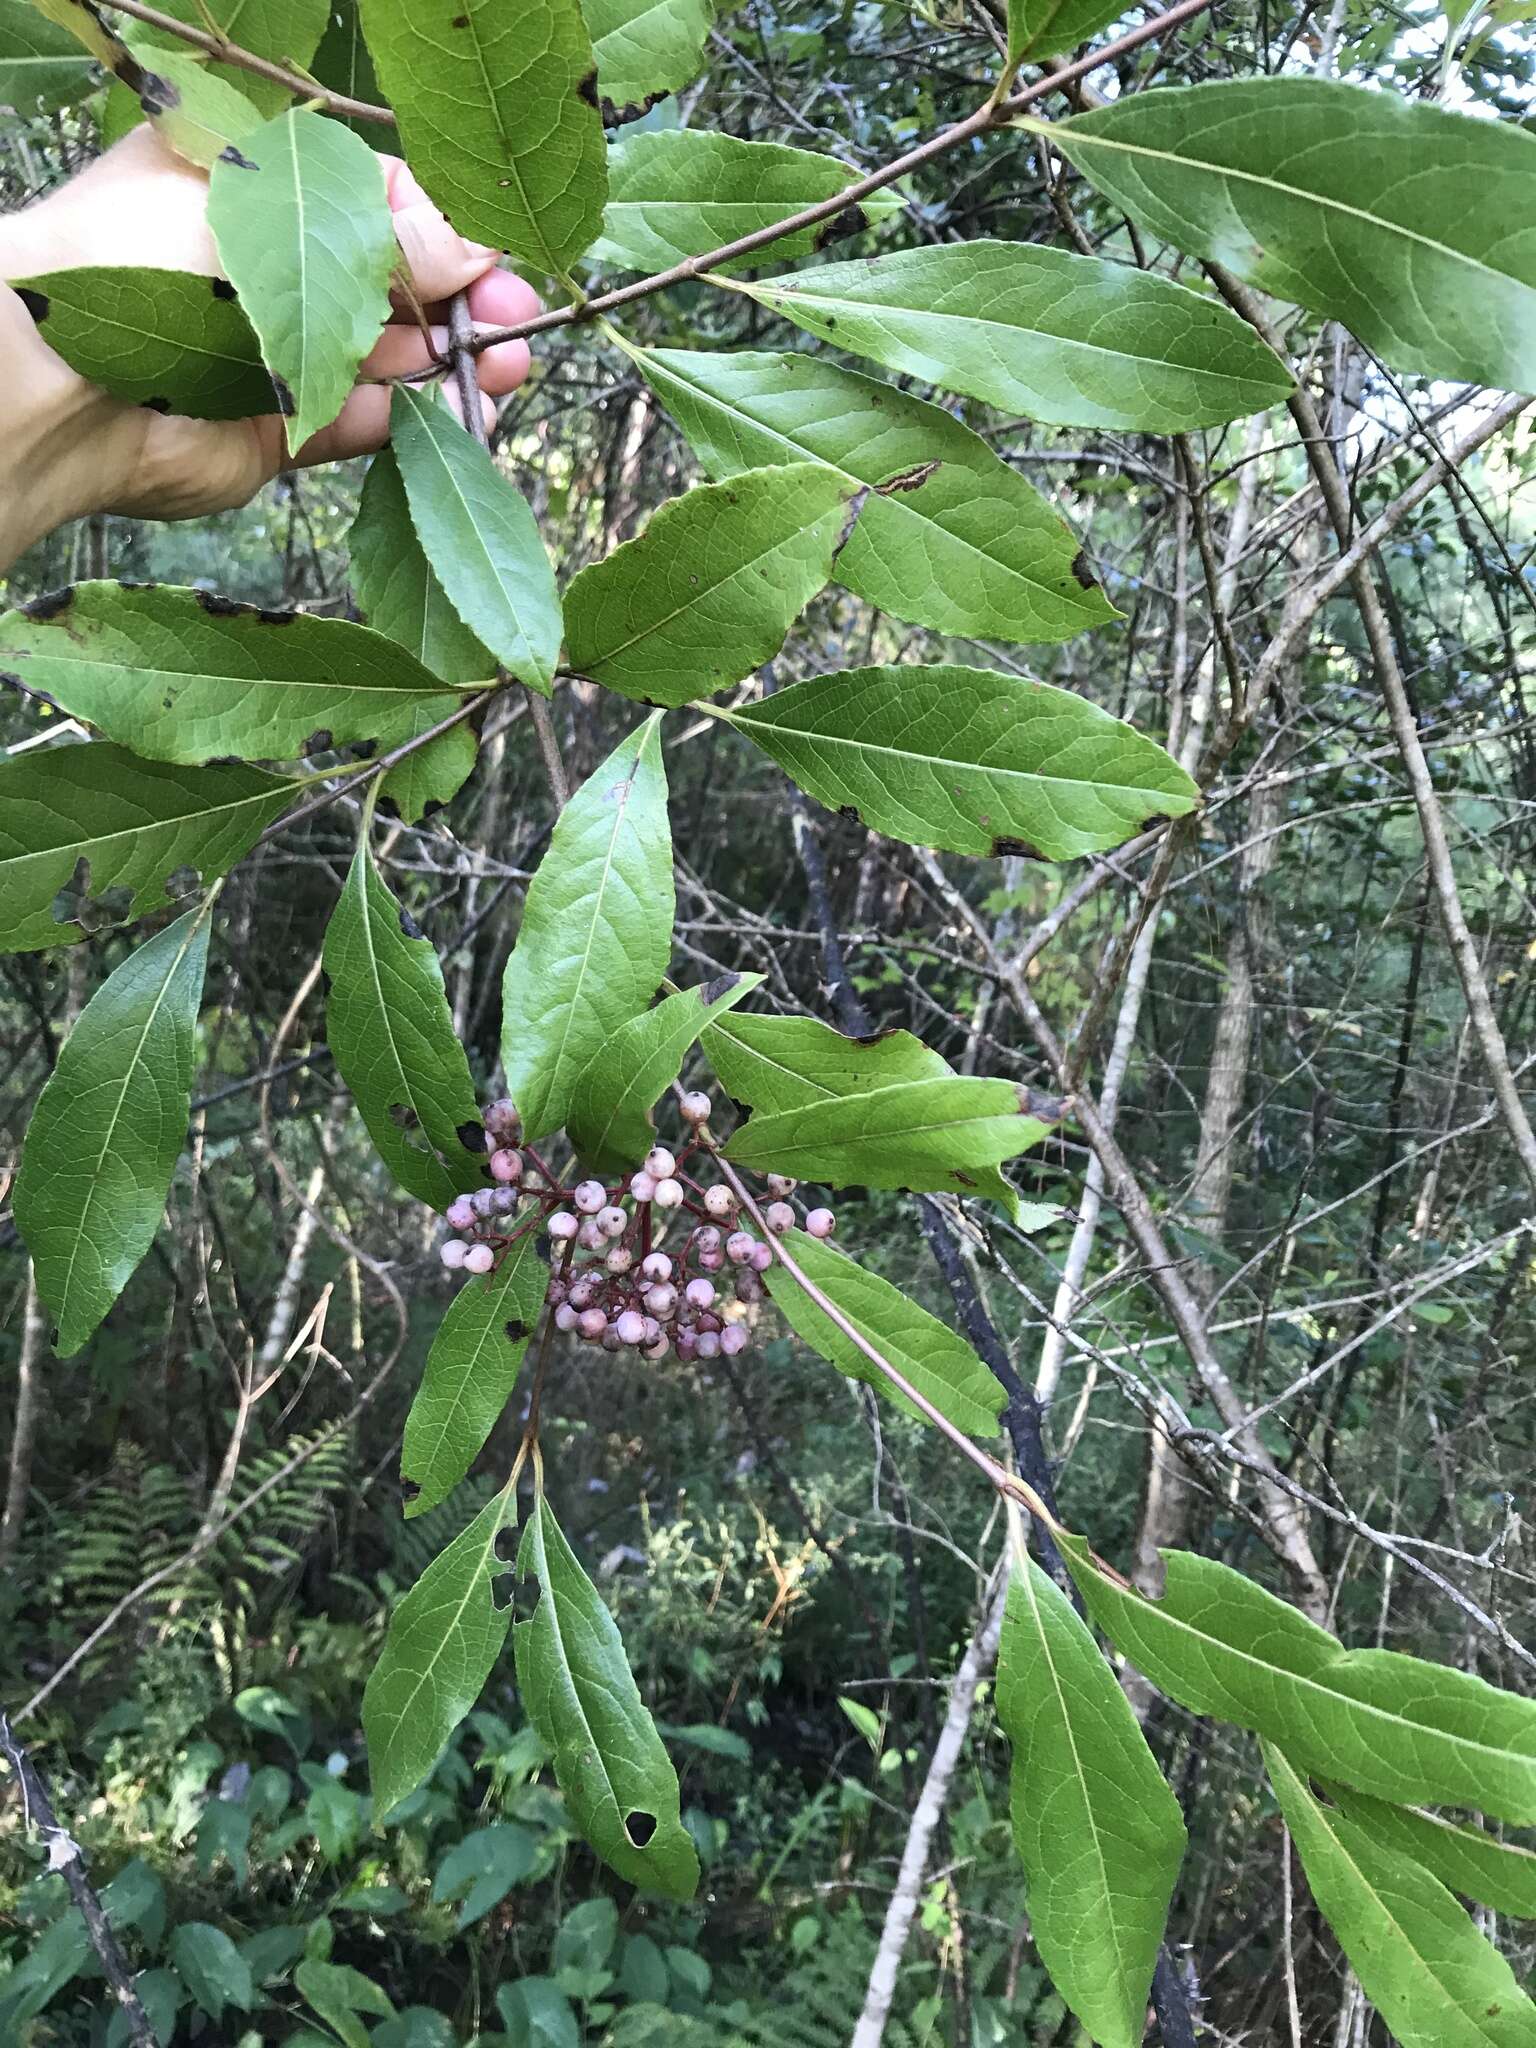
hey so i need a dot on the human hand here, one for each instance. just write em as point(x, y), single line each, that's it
point(67, 449)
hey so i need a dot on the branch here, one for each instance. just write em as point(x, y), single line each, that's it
point(296, 82)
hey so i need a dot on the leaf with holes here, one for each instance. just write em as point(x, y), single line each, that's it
point(968, 759)
point(959, 541)
point(471, 1371)
point(1420, 1960)
point(596, 933)
point(609, 1120)
point(707, 593)
point(785, 1063)
point(168, 339)
point(1403, 220)
point(1098, 1832)
point(390, 1030)
point(479, 538)
point(92, 836)
point(179, 675)
point(109, 1127)
point(925, 1351)
point(443, 1639)
point(1396, 1727)
point(580, 1695)
point(41, 64)
point(1069, 339)
point(498, 119)
point(303, 228)
point(684, 191)
point(645, 48)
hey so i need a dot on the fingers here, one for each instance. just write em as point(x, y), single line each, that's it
point(362, 426)
point(402, 351)
point(439, 260)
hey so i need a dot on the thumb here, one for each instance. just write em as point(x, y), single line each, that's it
point(439, 260)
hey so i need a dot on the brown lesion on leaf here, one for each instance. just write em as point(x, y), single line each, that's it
point(517, 1330)
point(409, 925)
point(472, 1137)
point(408, 1123)
point(237, 158)
point(1020, 848)
point(711, 991)
point(853, 220)
point(221, 287)
point(218, 606)
point(851, 813)
point(157, 95)
point(410, 1489)
point(74, 904)
point(1082, 570)
point(586, 88)
point(905, 480)
point(319, 742)
point(1045, 1109)
point(36, 303)
point(283, 394)
point(50, 604)
point(876, 1037)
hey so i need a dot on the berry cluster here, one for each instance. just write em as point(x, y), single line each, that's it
point(633, 1265)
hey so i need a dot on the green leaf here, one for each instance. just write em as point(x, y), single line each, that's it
point(41, 65)
point(89, 836)
point(681, 192)
point(782, 1063)
point(391, 1033)
point(397, 590)
point(483, 1868)
point(585, 1938)
point(180, 675)
point(498, 119)
point(342, 64)
point(471, 1371)
point(707, 593)
point(339, 1993)
point(109, 1127)
point(609, 1120)
point(1386, 212)
point(1419, 1958)
point(212, 1968)
point(479, 537)
point(443, 1639)
point(167, 338)
point(159, 1994)
point(596, 933)
point(1098, 1832)
point(927, 1352)
point(968, 759)
point(537, 2014)
point(283, 31)
point(1069, 339)
point(580, 1695)
point(967, 547)
point(1406, 1731)
point(913, 1135)
point(1465, 1859)
point(304, 233)
point(1048, 28)
point(194, 107)
point(434, 774)
point(645, 48)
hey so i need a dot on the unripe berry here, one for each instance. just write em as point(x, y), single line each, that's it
point(669, 1194)
point(733, 1340)
point(709, 1344)
point(739, 1246)
point(748, 1286)
point(454, 1253)
point(504, 1200)
point(695, 1107)
point(779, 1217)
point(592, 1323)
point(762, 1258)
point(479, 1259)
point(720, 1202)
point(611, 1340)
point(642, 1186)
point(502, 1120)
point(712, 1261)
point(661, 1299)
point(483, 1202)
point(699, 1293)
point(707, 1239)
point(821, 1223)
point(612, 1222)
point(461, 1213)
point(506, 1165)
point(656, 1266)
point(590, 1197)
point(563, 1225)
point(620, 1259)
point(656, 1351)
point(589, 1237)
point(780, 1186)
point(631, 1327)
point(566, 1318)
point(659, 1163)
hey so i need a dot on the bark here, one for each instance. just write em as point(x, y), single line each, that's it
point(34, 1329)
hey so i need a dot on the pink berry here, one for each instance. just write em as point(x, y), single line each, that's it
point(656, 1266)
point(454, 1253)
point(563, 1225)
point(506, 1165)
point(707, 1239)
point(631, 1327)
point(592, 1323)
point(779, 1217)
point(583, 1290)
point(687, 1346)
point(589, 1237)
point(612, 1222)
point(709, 1323)
point(739, 1246)
point(461, 1213)
point(642, 1186)
point(762, 1258)
point(669, 1194)
point(733, 1339)
point(720, 1202)
point(699, 1293)
point(502, 1120)
point(483, 1202)
point(709, 1344)
point(821, 1223)
point(566, 1317)
point(711, 1261)
point(504, 1200)
point(590, 1197)
point(657, 1350)
point(661, 1299)
point(611, 1340)
point(659, 1163)
point(780, 1185)
point(695, 1107)
point(479, 1259)
point(652, 1329)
